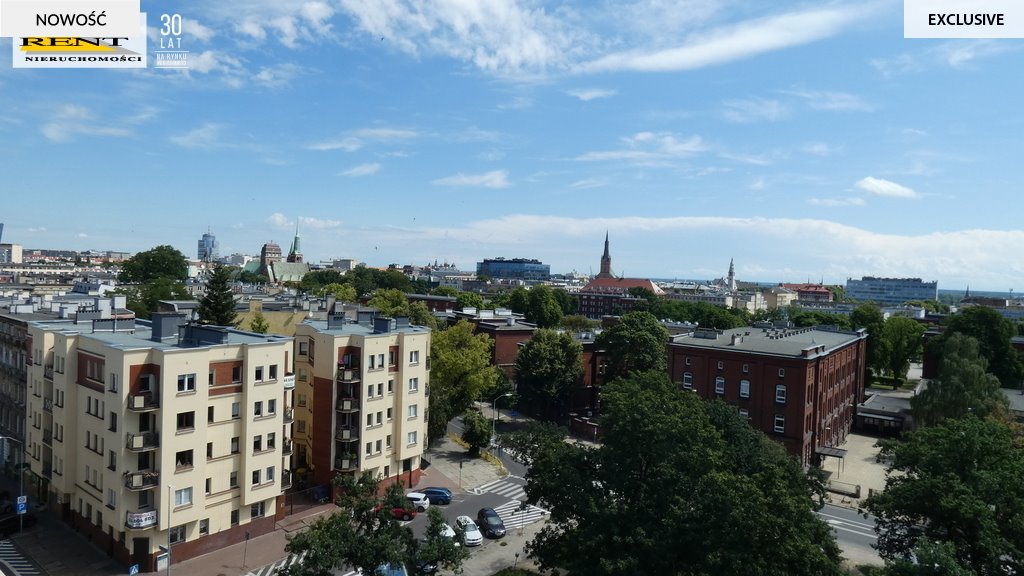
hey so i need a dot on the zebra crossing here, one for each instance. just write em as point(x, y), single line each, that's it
point(507, 488)
point(514, 517)
point(13, 558)
point(272, 569)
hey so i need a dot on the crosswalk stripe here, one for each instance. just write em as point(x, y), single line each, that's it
point(485, 487)
point(513, 517)
point(10, 554)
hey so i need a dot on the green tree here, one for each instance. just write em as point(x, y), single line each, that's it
point(542, 308)
point(460, 368)
point(870, 318)
point(963, 386)
point(259, 324)
point(217, 306)
point(437, 549)
point(445, 291)
point(394, 279)
point(420, 315)
point(902, 342)
point(476, 431)
point(249, 277)
point(363, 279)
point(144, 299)
point(160, 262)
point(469, 300)
point(673, 490)
point(993, 333)
point(341, 292)
point(569, 303)
point(636, 344)
point(530, 441)
point(315, 280)
point(519, 300)
point(578, 323)
point(548, 366)
point(929, 559)
point(390, 302)
point(956, 483)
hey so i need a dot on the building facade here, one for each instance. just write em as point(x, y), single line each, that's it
point(361, 397)
point(172, 434)
point(892, 291)
point(799, 386)
point(208, 249)
point(514, 268)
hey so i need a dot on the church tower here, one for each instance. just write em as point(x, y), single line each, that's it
point(606, 260)
point(730, 280)
point(295, 253)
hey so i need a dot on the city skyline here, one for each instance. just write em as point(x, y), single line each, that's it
point(805, 141)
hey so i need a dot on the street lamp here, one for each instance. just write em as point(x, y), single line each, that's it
point(494, 406)
point(170, 505)
point(21, 479)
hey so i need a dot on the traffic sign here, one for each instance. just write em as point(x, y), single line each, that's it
point(133, 569)
point(22, 508)
point(22, 499)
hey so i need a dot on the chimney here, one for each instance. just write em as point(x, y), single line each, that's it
point(401, 322)
point(381, 325)
point(511, 321)
point(165, 325)
point(336, 319)
point(365, 317)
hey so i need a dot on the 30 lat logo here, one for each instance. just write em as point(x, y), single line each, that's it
point(171, 54)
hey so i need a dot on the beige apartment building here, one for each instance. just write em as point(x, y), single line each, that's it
point(361, 397)
point(143, 435)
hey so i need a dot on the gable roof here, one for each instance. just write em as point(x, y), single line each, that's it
point(621, 285)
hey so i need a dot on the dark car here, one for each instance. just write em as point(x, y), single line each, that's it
point(490, 523)
point(437, 495)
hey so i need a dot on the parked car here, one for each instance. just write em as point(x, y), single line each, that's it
point(472, 533)
point(419, 500)
point(490, 523)
point(437, 495)
point(399, 512)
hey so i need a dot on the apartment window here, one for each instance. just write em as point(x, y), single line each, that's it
point(113, 421)
point(721, 364)
point(186, 421)
point(270, 474)
point(273, 371)
point(719, 385)
point(688, 380)
point(746, 368)
point(380, 418)
point(373, 362)
point(369, 420)
point(257, 409)
point(236, 410)
point(389, 414)
point(210, 380)
point(183, 497)
point(413, 409)
point(380, 389)
point(414, 384)
point(782, 372)
point(271, 406)
point(744, 388)
point(209, 485)
point(113, 382)
point(744, 412)
point(259, 373)
point(388, 441)
point(112, 460)
point(234, 445)
point(234, 517)
point(257, 444)
point(236, 374)
point(111, 498)
point(183, 459)
point(780, 393)
point(204, 526)
point(255, 477)
point(411, 438)
point(257, 510)
point(391, 386)
point(209, 450)
point(369, 390)
point(369, 448)
point(177, 534)
point(303, 348)
point(391, 357)
point(380, 360)
point(414, 357)
point(377, 446)
point(187, 383)
point(302, 426)
point(300, 399)
point(387, 471)
point(271, 440)
point(233, 483)
point(780, 423)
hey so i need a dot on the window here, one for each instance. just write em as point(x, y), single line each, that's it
point(112, 460)
point(234, 517)
point(255, 477)
point(388, 442)
point(373, 362)
point(183, 497)
point(270, 441)
point(187, 383)
point(391, 386)
point(744, 412)
point(391, 357)
point(414, 384)
point(177, 534)
point(113, 421)
point(369, 448)
point(113, 382)
point(209, 485)
point(236, 374)
point(259, 373)
point(389, 414)
point(380, 360)
point(414, 357)
point(183, 459)
point(302, 426)
point(210, 380)
point(300, 399)
point(273, 371)
point(369, 390)
point(234, 445)
point(233, 483)
point(209, 413)
point(687, 380)
point(746, 368)
point(111, 498)
point(744, 388)
point(413, 409)
point(209, 450)
point(379, 418)
point(688, 361)
point(270, 474)
point(719, 385)
point(782, 372)
point(236, 410)
point(257, 444)
point(257, 409)
point(369, 420)
point(257, 510)
point(411, 438)
point(186, 421)
point(780, 423)
point(780, 393)
point(303, 348)
point(271, 406)
point(377, 446)
point(204, 526)
point(721, 364)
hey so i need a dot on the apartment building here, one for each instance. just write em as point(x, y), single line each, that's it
point(361, 397)
point(169, 434)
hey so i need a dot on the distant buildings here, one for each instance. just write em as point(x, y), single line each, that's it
point(810, 292)
point(515, 268)
point(607, 294)
point(207, 250)
point(11, 254)
point(891, 290)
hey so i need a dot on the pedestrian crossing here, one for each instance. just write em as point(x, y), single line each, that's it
point(13, 557)
point(507, 488)
point(513, 517)
point(271, 569)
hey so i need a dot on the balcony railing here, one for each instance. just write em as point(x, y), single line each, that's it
point(48, 437)
point(286, 448)
point(286, 479)
point(289, 381)
point(346, 463)
point(143, 402)
point(143, 441)
point(289, 415)
point(141, 480)
point(48, 405)
point(140, 520)
point(48, 472)
point(48, 371)
point(348, 404)
point(347, 433)
point(348, 373)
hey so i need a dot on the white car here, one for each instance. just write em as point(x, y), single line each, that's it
point(468, 527)
point(419, 500)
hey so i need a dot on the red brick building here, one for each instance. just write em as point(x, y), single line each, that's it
point(506, 328)
point(799, 386)
point(610, 296)
point(810, 292)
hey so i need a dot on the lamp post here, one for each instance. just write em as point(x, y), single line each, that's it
point(21, 478)
point(170, 506)
point(494, 406)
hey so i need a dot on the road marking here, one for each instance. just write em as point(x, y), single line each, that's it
point(513, 517)
point(13, 557)
point(836, 526)
point(864, 525)
point(505, 488)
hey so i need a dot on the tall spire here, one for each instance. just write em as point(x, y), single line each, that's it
point(606, 260)
point(730, 280)
point(295, 253)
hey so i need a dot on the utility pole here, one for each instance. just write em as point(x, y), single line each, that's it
point(21, 483)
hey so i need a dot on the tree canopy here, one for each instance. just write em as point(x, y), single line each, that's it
point(993, 333)
point(547, 368)
point(161, 262)
point(963, 387)
point(259, 324)
point(469, 300)
point(901, 342)
point(542, 308)
point(342, 292)
point(217, 306)
point(869, 317)
point(636, 344)
point(476, 431)
point(676, 489)
point(460, 368)
point(143, 299)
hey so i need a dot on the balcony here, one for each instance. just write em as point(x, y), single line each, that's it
point(48, 372)
point(140, 520)
point(141, 480)
point(48, 472)
point(286, 448)
point(48, 437)
point(347, 434)
point(348, 373)
point(143, 441)
point(348, 405)
point(346, 463)
point(146, 402)
point(286, 479)
point(289, 415)
point(48, 405)
point(289, 381)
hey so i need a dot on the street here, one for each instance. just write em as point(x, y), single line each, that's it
point(854, 533)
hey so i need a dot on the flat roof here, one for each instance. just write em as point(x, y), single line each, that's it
point(363, 329)
point(789, 342)
point(140, 337)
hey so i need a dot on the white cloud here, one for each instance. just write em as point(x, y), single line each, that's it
point(82, 235)
point(72, 120)
point(832, 101)
point(755, 159)
point(279, 220)
point(39, 229)
point(317, 223)
point(882, 187)
point(754, 109)
point(735, 42)
point(347, 144)
point(896, 65)
point(251, 28)
point(517, 103)
point(837, 202)
point(818, 149)
point(588, 183)
point(492, 179)
point(362, 170)
point(197, 30)
point(960, 54)
point(651, 148)
point(206, 136)
point(588, 94)
point(277, 75)
point(358, 138)
point(386, 133)
point(759, 183)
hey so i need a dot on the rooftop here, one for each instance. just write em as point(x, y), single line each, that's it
point(792, 342)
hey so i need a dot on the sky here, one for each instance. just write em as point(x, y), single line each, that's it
point(806, 141)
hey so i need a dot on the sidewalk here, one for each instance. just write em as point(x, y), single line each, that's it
point(451, 467)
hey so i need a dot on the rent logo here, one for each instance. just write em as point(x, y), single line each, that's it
point(81, 51)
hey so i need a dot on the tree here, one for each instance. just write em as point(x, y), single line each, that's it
point(928, 559)
point(445, 291)
point(341, 292)
point(548, 366)
point(901, 339)
point(393, 279)
point(578, 323)
point(956, 483)
point(870, 318)
point(390, 302)
point(460, 368)
point(469, 300)
point(963, 386)
point(315, 280)
point(440, 550)
point(636, 344)
point(993, 333)
point(569, 303)
point(217, 306)
point(259, 324)
point(542, 308)
point(249, 277)
point(160, 262)
point(519, 300)
point(535, 438)
point(476, 431)
point(674, 490)
point(145, 298)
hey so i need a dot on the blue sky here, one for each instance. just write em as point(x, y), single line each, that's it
point(805, 140)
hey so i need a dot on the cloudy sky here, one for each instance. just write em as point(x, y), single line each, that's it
point(804, 140)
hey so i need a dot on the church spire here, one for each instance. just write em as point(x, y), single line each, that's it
point(295, 253)
point(606, 260)
point(730, 280)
